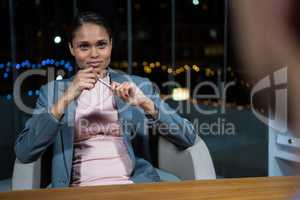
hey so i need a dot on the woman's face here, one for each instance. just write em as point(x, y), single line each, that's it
point(91, 47)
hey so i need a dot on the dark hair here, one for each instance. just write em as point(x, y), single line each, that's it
point(88, 17)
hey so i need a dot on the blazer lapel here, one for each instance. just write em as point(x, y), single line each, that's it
point(68, 129)
point(69, 116)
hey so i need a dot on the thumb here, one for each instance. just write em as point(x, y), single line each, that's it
point(114, 85)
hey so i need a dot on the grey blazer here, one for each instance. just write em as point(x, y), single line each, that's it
point(43, 130)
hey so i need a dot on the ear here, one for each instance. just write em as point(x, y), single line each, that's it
point(71, 49)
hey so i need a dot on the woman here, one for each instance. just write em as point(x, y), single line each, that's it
point(92, 119)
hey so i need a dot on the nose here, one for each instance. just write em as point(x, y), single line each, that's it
point(94, 52)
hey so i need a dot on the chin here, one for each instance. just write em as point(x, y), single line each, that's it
point(102, 68)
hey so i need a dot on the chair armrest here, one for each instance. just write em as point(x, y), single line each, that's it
point(193, 163)
point(26, 176)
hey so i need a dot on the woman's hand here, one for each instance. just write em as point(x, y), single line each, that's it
point(84, 79)
point(131, 94)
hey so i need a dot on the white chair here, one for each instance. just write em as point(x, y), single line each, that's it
point(193, 163)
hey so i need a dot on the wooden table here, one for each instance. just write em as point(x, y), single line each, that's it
point(273, 188)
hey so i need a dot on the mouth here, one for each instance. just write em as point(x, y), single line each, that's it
point(94, 63)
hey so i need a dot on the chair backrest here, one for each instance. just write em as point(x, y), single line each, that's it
point(193, 163)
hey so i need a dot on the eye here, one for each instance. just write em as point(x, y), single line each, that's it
point(83, 46)
point(102, 44)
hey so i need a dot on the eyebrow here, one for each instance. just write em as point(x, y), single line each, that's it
point(101, 40)
point(87, 42)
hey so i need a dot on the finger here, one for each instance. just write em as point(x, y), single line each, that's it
point(123, 96)
point(86, 78)
point(123, 89)
point(118, 91)
point(89, 69)
point(114, 85)
point(82, 73)
point(86, 85)
point(129, 89)
point(89, 80)
point(124, 93)
point(89, 75)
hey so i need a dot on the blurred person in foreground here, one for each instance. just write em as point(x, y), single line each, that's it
point(268, 40)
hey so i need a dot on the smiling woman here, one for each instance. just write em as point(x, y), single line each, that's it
point(91, 123)
point(91, 46)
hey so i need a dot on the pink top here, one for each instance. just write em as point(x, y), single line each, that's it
point(100, 156)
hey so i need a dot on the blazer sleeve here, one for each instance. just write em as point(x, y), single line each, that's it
point(170, 125)
point(39, 132)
